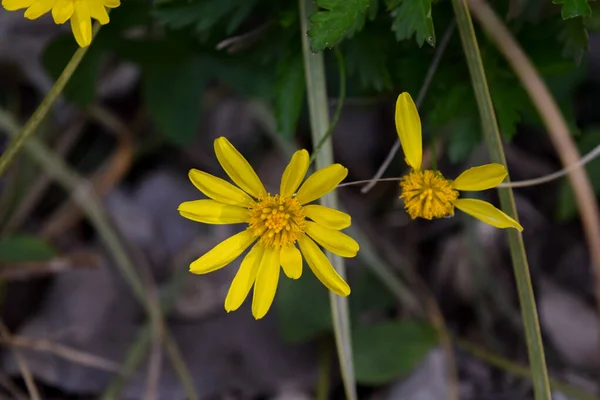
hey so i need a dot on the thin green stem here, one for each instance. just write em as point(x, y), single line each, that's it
point(340, 103)
point(32, 125)
point(316, 90)
point(517, 249)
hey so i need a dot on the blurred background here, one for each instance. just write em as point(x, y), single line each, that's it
point(160, 82)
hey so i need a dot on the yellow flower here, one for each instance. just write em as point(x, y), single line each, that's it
point(427, 194)
point(80, 12)
point(275, 222)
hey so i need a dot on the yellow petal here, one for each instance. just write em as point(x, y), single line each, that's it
point(81, 23)
point(213, 212)
point(328, 217)
point(321, 182)
point(480, 178)
point(223, 253)
point(13, 5)
point(238, 169)
point(322, 268)
point(335, 241)
point(98, 12)
point(62, 11)
point(112, 3)
point(408, 126)
point(266, 283)
point(219, 189)
point(487, 213)
point(39, 8)
point(291, 261)
point(294, 173)
point(244, 279)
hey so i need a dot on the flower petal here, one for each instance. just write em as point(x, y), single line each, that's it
point(294, 173)
point(487, 213)
point(244, 279)
point(238, 169)
point(213, 212)
point(322, 268)
point(291, 261)
point(81, 23)
point(328, 217)
point(219, 189)
point(480, 178)
point(39, 8)
point(223, 253)
point(98, 12)
point(335, 241)
point(321, 182)
point(62, 11)
point(13, 5)
point(266, 283)
point(408, 126)
point(112, 3)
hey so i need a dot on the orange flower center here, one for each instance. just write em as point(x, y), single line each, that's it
point(278, 221)
point(427, 194)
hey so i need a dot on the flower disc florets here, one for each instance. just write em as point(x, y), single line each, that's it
point(427, 194)
point(278, 221)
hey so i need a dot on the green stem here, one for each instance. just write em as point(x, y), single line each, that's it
point(16, 145)
point(340, 104)
point(316, 90)
point(517, 249)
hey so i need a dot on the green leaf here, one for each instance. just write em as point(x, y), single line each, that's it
point(368, 62)
point(369, 294)
point(575, 39)
point(81, 88)
point(574, 8)
point(338, 18)
point(289, 95)
point(172, 89)
point(24, 248)
point(385, 351)
point(203, 15)
point(566, 207)
point(303, 308)
point(412, 17)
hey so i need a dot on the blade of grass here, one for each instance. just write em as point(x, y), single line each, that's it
point(314, 70)
point(533, 337)
point(557, 128)
point(16, 145)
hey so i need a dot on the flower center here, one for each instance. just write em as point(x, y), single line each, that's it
point(278, 221)
point(427, 194)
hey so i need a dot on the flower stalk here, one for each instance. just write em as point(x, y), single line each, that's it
point(316, 91)
point(535, 346)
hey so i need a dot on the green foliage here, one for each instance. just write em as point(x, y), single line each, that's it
point(339, 17)
point(289, 95)
point(24, 248)
point(574, 8)
point(203, 15)
point(412, 17)
point(566, 207)
point(387, 350)
point(575, 39)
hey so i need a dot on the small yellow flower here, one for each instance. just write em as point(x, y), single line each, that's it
point(427, 194)
point(80, 12)
point(275, 222)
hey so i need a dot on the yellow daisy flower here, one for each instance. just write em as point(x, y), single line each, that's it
point(427, 194)
point(275, 223)
point(80, 12)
